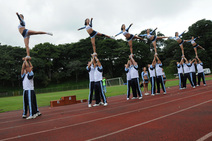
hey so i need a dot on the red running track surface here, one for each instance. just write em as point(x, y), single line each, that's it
point(178, 115)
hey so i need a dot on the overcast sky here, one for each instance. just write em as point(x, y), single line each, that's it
point(64, 17)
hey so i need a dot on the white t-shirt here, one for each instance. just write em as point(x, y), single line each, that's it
point(151, 71)
point(186, 68)
point(158, 68)
point(192, 68)
point(179, 68)
point(91, 73)
point(134, 72)
point(28, 82)
point(200, 68)
point(98, 73)
point(127, 70)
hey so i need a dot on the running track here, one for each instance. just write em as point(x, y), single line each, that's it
point(184, 115)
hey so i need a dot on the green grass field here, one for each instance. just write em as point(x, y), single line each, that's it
point(16, 102)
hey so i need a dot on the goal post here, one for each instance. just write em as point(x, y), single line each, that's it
point(114, 81)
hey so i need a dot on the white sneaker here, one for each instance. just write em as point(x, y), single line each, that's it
point(31, 117)
point(89, 106)
point(101, 103)
point(197, 85)
point(184, 87)
point(128, 98)
point(152, 94)
point(95, 105)
point(194, 87)
point(146, 94)
point(48, 33)
point(38, 114)
point(105, 104)
point(24, 116)
point(134, 98)
point(180, 88)
point(141, 97)
point(204, 84)
point(164, 93)
point(157, 93)
point(156, 54)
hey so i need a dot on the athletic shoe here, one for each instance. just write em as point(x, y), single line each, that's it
point(101, 103)
point(157, 93)
point(184, 87)
point(164, 93)
point(194, 87)
point(89, 106)
point(140, 97)
point(197, 85)
point(95, 105)
point(181, 88)
point(134, 98)
point(146, 93)
point(105, 104)
point(48, 33)
point(156, 54)
point(204, 84)
point(152, 94)
point(38, 114)
point(128, 98)
point(24, 116)
point(32, 117)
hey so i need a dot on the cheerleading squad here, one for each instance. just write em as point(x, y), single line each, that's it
point(95, 69)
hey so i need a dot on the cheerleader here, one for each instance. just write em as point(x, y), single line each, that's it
point(145, 78)
point(26, 33)
point(128, 36)
point(92, 33)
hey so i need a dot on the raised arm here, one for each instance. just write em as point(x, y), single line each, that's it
point(186, 60)
point(19, 17)
point(158, 59)
point(91, 22)
point(133, 61)
point(22, 69)
point(97, 62)
point(182, 33)
point(129, 27)
point(199, 60)
point(153, 30)
point(181, 62)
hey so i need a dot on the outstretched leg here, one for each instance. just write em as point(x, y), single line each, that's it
point(130, 44)
point(136, 37)
point(31, 32)
point(26, 42)
point(181, 46)
point(201, 47)
point(100, 34)
point(93, 44)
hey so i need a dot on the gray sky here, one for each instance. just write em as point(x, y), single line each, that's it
point(64, 17)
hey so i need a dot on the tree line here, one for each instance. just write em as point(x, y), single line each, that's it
point(65, 62)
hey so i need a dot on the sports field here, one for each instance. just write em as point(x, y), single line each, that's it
point(16, 102)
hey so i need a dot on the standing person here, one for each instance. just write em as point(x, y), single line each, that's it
point(98, 70)
point(193, 71)
point(180, 73)
point(104, 84)
point(152, 37)
point(128, 36)
point(145, 78)
point(135, 78)
point(200, 72)
point(92, 33)
point(29, 97)
point(164, 77)
point(159, 74)
point(151, 68)
point(179, 40)
point(186, 69)
point(27, 33)
point(194, 44)
point(129, 81)
point(90, 69)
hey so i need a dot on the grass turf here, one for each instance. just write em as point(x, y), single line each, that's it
point(15, 103)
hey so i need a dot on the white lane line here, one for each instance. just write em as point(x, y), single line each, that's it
point(140, 124)
point(168, 96)
point(205, 137)
point(67, 117)
point(94, 120)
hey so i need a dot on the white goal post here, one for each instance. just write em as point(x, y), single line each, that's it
point(114, 81)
